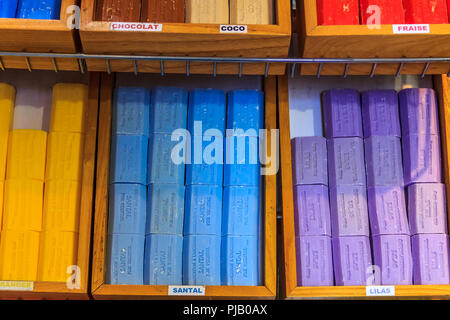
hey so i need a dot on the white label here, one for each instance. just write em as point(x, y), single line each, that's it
point(132, 26)
point(411, 28)
point(16, 285)
point(228, 28)
point(186, 291)
point(380, 291)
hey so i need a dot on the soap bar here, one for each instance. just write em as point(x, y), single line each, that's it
point(309, 161)
point(165, 209)
point(163, 259)
point(26, 154)
point(162, 11)
point(201, 260)
point(131, 111)
point(387, 211)
point(7, 102)
point(422, 159)
point(8, 9)
point(391, 12)
point(380, 111)
point(64, 156)
point(129, 159)
point(349, 215)
point(346, 162)
point(39, 9)
point(61, 206)
point(312, 211)
point(2, 190)
point(3, 153)
point(168, 110)
point(125, 259)
point(314, 261)
point(19, 254)
point(418, 112)
point(69, 104)
point(206, 112)
point(392, 254)
point(383, 161)
point(245, 113)
point(337, 12)
point(240, 261)
point(427, 208)
point(118, 10)
point(351, 259)
point(127, 208)
point(207, 11)
point(57, 256)
point(431, 261)
point(419, 11)
point(23, 201)
point(251, 11)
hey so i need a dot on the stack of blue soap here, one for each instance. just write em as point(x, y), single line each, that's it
point(35, 9)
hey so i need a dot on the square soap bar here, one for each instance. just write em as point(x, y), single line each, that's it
point(251, 12)
point(207, 11)
point(206, 112)
point(168, 110)
point(337, 12)
point(2, 190)
point(8, 8)
point(118, 10)
point(392, 254)
point(309, 160)
point(39, 9)
point(418, 11)
point(427, 208)
point(245, 113)
point(3, 153)
point(392, 11)
point(431, 260)
point(163, 259)
point(162, 11)
point(165, 209)
point(7, 103)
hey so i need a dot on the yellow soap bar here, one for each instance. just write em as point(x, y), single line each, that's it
point(26, 154)
point(251, 11)
point(7, 102)
point(2, 190)
point(64, 156)
point(207, 11)
point(69, 102)
point(61, 205)
point(58, 252)
point(23, 205)
point(3, 153)
point(19, 254)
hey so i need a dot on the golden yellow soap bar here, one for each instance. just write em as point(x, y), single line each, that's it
point(23, 205)
point(207, 11)
point(251, 11)
point(3, 153)
point(69, 101)
point(2, 190)
point(26, 154)
point(57, 253)
point(19, 254)
point(64, 156)
point(61, 205)
point(7, 102)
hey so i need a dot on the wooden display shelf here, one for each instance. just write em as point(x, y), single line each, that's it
point(100, 290)
point(187, 39)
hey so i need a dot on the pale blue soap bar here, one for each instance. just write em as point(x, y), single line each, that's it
point(129, 159)
point(246, 111)
point(241, 211)
point(39, 9)
point(207, 109)
point(201, 260)
point(203, 210)
point(131, 111)
point(240, 263)
point(127, 208)
point(8, 8)
point(168, 111)
point(242, 163)
point(165, 209)
point(125, 259)
point(163, 259)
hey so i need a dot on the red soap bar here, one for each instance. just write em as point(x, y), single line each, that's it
point(391, 11)
point(337, 12)
point(162, 11)
point(118, 10)
point(425, 11)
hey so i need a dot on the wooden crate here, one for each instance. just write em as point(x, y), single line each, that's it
point(358, 41)
point(187, 39)
point(100, 290)
point(57, 290)
point(289, 265)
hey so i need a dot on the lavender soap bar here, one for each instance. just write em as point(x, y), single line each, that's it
point(309, 160)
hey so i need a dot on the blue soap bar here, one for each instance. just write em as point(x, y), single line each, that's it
point(165, 209)
point(127, 208)
point(246, 111)
point(203, 210)
point(125, 259)
point(206, 111)
point(240, 263)
point(131, 111)
point(168, 111)
point(8, 8)
point(129, 159)
point(241, 211)
point(201, 260)
point(39, 9)
point(242, 165)
point(162, 167)
point(163, 259)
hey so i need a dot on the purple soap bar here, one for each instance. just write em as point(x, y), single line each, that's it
point(392, 254)
point(349, 215)
point(346, 162)
point(351, 259)
point(342, 113)
point(387, 211)
point(418, 111)
point(430, 256)
point(309, 160)
point(312, 211)
point(383, 161)
point(380, 113)
point(314, 261)
point(422, 159)
point(427, 208)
